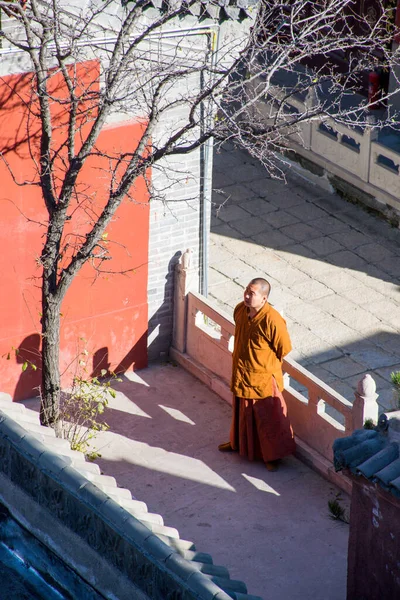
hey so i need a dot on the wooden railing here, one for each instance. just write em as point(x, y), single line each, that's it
point(203, 342)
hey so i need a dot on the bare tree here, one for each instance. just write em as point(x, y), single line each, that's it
point(92, 63)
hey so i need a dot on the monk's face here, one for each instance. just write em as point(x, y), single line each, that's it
point(254, 297)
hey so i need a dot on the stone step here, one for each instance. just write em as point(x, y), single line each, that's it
point(201, 557)
point(115, 492)
point(10, 405)
point(146, 516)
point(85, 467)
point(4, 397)
point(59, 446)
point(177, 544)
point(35, 427)
point(170, 532)
point(77, 457)
point(21, 416)
point(133, 504)
point(53, 443)
point(102, 479)
point(214, 570)
point(229, 585)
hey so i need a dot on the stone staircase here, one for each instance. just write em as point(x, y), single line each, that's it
point(56, 448)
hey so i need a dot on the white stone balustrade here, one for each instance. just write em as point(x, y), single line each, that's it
point(202, 344)
point(351, 153)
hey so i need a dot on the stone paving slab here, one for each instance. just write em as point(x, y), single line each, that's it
point(271, 530)
point(334, 266)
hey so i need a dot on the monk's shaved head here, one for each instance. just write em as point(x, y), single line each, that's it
point(265, 286)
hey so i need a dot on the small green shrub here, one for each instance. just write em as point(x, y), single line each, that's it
point(81, 411)
point(395, 379)
point(336, 510)
point(369, 424)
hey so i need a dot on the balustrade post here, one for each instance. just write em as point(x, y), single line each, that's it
point(310, 104)
point(365, 404)
point(370, 135)
point(185, 280)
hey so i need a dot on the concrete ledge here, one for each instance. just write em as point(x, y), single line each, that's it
point(321, 465)
point(120, 556)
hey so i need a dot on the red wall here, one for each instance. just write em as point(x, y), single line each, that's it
point(109, 311)
point(373, 567)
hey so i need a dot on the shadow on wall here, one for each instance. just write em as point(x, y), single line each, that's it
point(159, 335)
point(161, 321)
point(29, 356)
point(101, 361)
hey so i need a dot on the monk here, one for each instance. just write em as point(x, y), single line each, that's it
point(260, 426)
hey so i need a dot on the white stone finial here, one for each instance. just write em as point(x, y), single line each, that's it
point(366, 387)
point(365, 404)
point(186, 259)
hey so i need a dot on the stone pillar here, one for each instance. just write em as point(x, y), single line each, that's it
point(365, 404)
point(186, 278)
point(369, 136)
point(311, 104)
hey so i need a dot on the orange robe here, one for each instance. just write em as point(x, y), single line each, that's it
point(260, 425)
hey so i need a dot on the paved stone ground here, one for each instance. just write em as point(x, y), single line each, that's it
point(271, 530)
point(334, 269)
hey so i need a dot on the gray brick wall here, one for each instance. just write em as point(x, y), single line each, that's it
point(175, 212)
point(175, 221)
point(174, 227)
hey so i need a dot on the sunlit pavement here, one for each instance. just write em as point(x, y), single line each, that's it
point(334, 269)
point(271, 530)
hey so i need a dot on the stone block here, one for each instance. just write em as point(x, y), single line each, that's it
point(310, 290)
point(250, 226)
point(236, 269)
point(272, 239)
point(114, 513)
point(351, 238)
point(231, 213)
point(234, 194)
point(280, 218)
point(32, 447)
point(180, 566)
point(55, 464)
point(157, 548)
point(344, 367)
point(260, 206)
point(329, 225)
point(334, 304)
point(307, 212)
point(334, 332)
point(215, 277)
point(347, 260)
point(12, 430)
point(220, 255)
point(4, 455)
point(375, 253)
point(362, 295)
point(284, 197)
point(359, 319)
point(323, 246)
point(301, 232)
point(205, 588)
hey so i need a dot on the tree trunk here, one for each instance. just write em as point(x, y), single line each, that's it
point(51, 384)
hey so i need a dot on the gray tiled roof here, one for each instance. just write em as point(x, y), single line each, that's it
point(373, 454)
point(20, 427)
point(217, 10)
